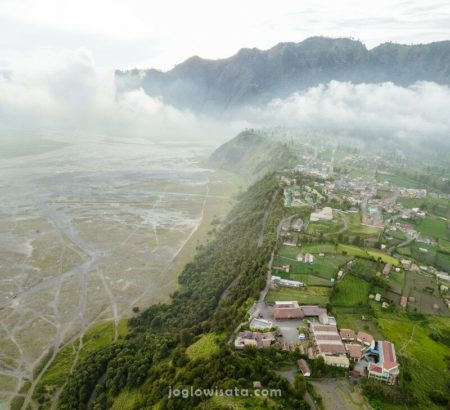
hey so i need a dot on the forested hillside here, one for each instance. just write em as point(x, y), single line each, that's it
point(160, 349)
point(254, 76)
point(253, 155)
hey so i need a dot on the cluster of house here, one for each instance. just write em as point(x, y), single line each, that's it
point(413, 193)
point(293, 196)
point(338, 348)
point(372, 214)
point(249, 338)
point(306, 258)
point(296, 195)
point(323, 170)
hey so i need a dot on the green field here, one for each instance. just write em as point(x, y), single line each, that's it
point(351, 291)
point(432, 256)
point(412, 202)
point(443, 261)
point(400, 181)
point(434, 228)
point(311, 295)
point(238, 403)
point(434, 206)
point(350, 250)
point(324, 227)
point(418, 252)
point(348, 319)
point(397, 281)
point(94, 339)
point(127, 400)
point(426, 362)
point(320, 272)
point(203, 348)
point(397, 234)
point(367, 253)
point(444, 245)
point(422, 359)
point(319, 248)
point(356, 228)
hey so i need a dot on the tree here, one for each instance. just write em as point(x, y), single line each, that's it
point(300, 384)
point(186, 337)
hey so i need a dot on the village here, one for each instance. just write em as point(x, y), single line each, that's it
point(313, 332)
point(350, 249)
point(375, 215)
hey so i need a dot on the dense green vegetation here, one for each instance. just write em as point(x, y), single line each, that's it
point(434, 227)
point(94, 339)
point(203, 348)
point(162, 347)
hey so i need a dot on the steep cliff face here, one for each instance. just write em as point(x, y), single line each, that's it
point(254, 76)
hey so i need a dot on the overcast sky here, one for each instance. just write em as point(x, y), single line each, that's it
point(143, 33)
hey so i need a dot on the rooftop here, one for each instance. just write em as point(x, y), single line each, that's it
point(387, 355)
point(331, 349)
point(319, 328)
point(313, 310)
point(354, 350)
point(280, 313)
point(347, 334)
point(364, 337)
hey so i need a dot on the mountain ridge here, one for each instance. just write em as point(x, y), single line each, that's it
point(252, 155)
point(254, 76)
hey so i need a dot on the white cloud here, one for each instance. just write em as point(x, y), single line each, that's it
point(384, 110)
point(64, 91)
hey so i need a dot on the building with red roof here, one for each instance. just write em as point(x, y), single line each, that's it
point(347, 335)
point(354, 351)
point(365, 339)
point(287, 310)
point(387, 368)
